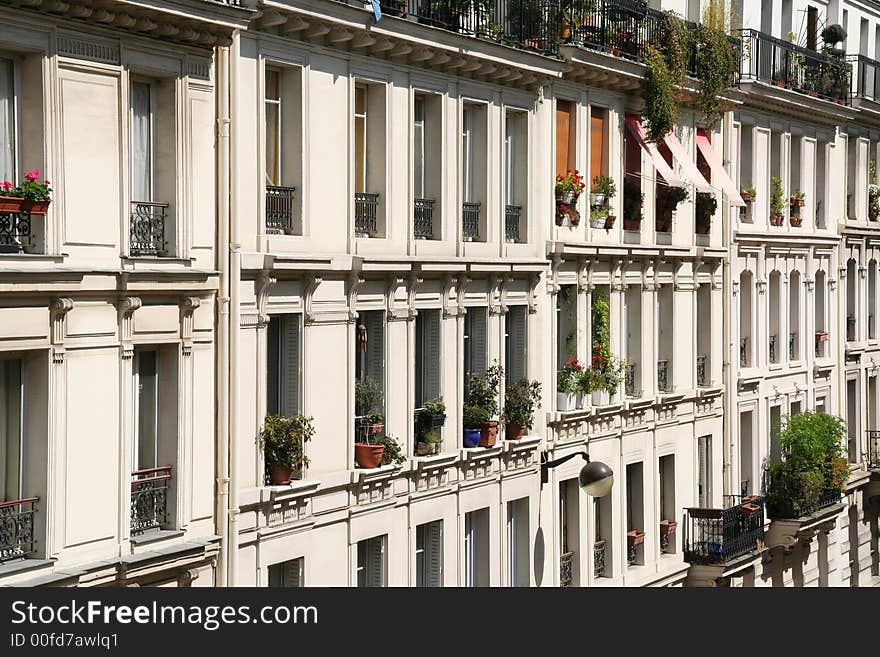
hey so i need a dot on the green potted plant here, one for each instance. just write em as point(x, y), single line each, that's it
point(705, 206)
point(430, 443)
point(283, 442)
point(633, 201)
point(482, 392)
point(30, 195)
point(391, 452)
point(748, 194)
point(565, 385)
point(796, 203)
point(777, 204)
point(569, 187)
point(668, 199)
point(521, 399)
point(473, 418)
point(369, 423)
point(602, 190)
point(873, 192)
point(431, 419)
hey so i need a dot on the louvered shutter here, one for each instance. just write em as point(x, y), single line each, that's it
point(376, 556)
point(516, 344)
point(293, 573)
point(290, 365)
point(478, 340)
point(563, 135)
point(703, 461)
point(273, 375)
point(434, 546)
point(431, 362)
point(375, 324)
point(469, 556)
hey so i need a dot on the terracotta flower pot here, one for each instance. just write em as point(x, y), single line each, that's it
point(667, 527)
point(797, 202)
point(514, 431)
point(635, 537)
point(367, 455)
point(280, 475)
point(488, 433)
point(795, 220)
point(748, 198)
point(777, 219)
point(609, 221)
point(14, 204)
point(750, 509)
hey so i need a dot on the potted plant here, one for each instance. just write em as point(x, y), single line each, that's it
point(521, 399)
point(473, 418)
point(748, 194)
point(796, 202)
point(777, 205)
point(797, 199)
point(566, 385)
point(598, 217)
point(633, 201)
point(368, 399)
point(430, 443)
point(609, 221)
point(602, 190)
point(482, 392)
point(635, 537)
point(30, 195)
point(667, 527)
point(706, 205)
point(432, 414)
point(391, 452)
point(569, 187)
point(749, 509)
point(283, 442)
point(668, 199)
point(583, 384)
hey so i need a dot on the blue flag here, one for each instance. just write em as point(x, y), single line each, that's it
point(377, 10)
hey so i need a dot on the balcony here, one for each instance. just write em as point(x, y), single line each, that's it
point(873, 449)
point(702, 380)
point(149, 499)
point(629, 380)
point(787, 65)
point(744, 352)
point(17, 528)
point(789, 498)
point(366, 208)
point(511, 223)
point(599, 558)
point(663, 384)
point(470, 221)
point(792, 346)
point(867, 77)
point(147, 236)
point(423, 218)
point(15, 232)
point(721, 536)
point(850, 328)
point(565, 569)
point(771, 349)
point(279, 209)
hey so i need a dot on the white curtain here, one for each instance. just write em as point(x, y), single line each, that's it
point(141, 143)
point(7, 122)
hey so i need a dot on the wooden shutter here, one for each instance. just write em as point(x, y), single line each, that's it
point(376, 564)
point(293, 573)
point(431, 356)
point(598, 148)
point(273, 358)
point(374, 321)
point(434, 545)
point(563, 135)
point(516, 344)
point(10, 430)
point(290, 365)
point(478, 340)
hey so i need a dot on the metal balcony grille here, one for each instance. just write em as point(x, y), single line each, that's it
point(702, 381)
point(873, 449)
point(867, 76)
point(792, 346)
point(15, 231)
point(147, 228)
point(366, 208)
point(629, 380)
point(599, 558)
point(771, 348)
point(663, 376)
point(423, 218)
point(17, 528)
point(565, 569)
point(743, 352)
point(511, 222)
point(279, 209)
point(719, 536)
point(470, 220)
point(149, 498)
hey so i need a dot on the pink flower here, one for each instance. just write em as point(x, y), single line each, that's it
point(7, 185)
point(46, 182)
point(32, 175)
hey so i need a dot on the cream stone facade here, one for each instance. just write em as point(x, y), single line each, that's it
point(255, 205)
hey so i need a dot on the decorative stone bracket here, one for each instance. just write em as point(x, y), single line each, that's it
point(126, 307)
point(58, 313)
point(187, 307)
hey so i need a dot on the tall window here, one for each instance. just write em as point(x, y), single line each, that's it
point(518, 542)
point(515, 366)
point(467, 153)
point(360, 138)
point(146, 450)
point(419, 146)
point(427, 356)
point(476, 548)
point(7, 121)
point(371, 562)
point(704, 471)
point(429, 554)
point(283, 365)
point(287, 574)
point(565, 136)
point(598, 141)
point(142, 141)
point(475, 321)
point(11, 430)
point(370, 347)
point(273, 126)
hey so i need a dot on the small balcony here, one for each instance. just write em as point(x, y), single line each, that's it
point(873, 449)
point(771, 349)
point(599, 558)
point(149, 499)
point(511, 223)
point(850, 328)
point(792, 346)
point(702, 378)
point(867, 77)
point(366, 208)
point(722, 536)
point(566, 575)
point(629, 380)
point(663, 382)
point(789, 498)
point(744, 352)
point(470, 221)
point(16, 232)
point(423, 218)
point(147, 236)
point(17, 528)
point(279, 210)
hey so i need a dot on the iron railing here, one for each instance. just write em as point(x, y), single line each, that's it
point(771, 348)
point(599, 558)
point(792, 346)
point(663, 376)
point(147, 228)
point(785, 64)
point(788, 496)
point(719, 536)
point(743, 352)
point(629, 380)
point(873, 449)
point(566, 576)
point(15, 231)
point(149, 498)
point(867, 76)
point(470, 220)
point(279, 209)
point(511, 222)
point(850, 328)
point(17, 528)
point(702, 381)
point(366, 209)
point(423, 218)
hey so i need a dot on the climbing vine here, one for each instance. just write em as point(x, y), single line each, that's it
point(659, 95)
point(716, 59)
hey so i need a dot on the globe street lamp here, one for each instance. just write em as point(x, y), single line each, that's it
point(595, 477)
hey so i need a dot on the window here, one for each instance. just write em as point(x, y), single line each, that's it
point(283, 365)
point(429, 554)
point(474, 169)
point(565, 136)
point(7, 121)
point(419, 146)
point(427, 164)
point(142, 146)
point(775, 425)
point(704, 471)
point(146, 450)
point(369, 158)
point(273, 126)
point(515, 174)
point(287, 574)
point(370, 347)
point(518, 542)
point(635, 513)
point(476, 548)
point(515, 365)
point(569, 532)
point(475, 322)
point(467, 153)
point(812, 27)
point(427, 356)
point(746, 453)
point(598, 141)
point(371, 562)
point(566, 325)
point(852, 419)
point(667, 502)
point(282, 101)
point(11, 430)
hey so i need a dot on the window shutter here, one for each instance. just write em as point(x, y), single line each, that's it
point(376, 555)
point(291, 365)
point(469, 556)
point(435, 553)
point(273, 358)
point(10, 430)
point(563, 126)
point(478, 339)
point(509, 158)
point(141, 143)
point(375, 323)
point(293, 573)
point(467, 149)
point(419, 147)
point(703, 463)
point(431, 345)
point(516, 344)
point(7, 121)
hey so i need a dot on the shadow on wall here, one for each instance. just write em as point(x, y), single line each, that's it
point(539, 556)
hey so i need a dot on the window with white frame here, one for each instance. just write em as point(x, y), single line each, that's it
point(476, 548)
point(475, 326)
point(515, 174)
point(283, 365)
point(11, 430)
point(272, 102)
point(143, 130)
point(515, 366)
point(427, 164)
point(8, 141)
point(429, 554)
point(146, 451)
point(427, 365)
point(282, 104)
point(704, 471)
point(518, 542)
point(371, 562)
point(369, 157)
point(287, 574)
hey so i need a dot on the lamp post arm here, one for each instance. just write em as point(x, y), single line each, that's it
point(546, 465)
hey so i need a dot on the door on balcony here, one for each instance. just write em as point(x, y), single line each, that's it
point(142, 151)
point(7, 121)
point(11, 430)
point(146, 447)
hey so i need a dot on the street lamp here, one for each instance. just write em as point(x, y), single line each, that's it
point(595, 477)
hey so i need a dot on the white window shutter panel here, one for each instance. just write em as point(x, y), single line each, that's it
point(291, 365)
point(478, 339)
point(435, 553)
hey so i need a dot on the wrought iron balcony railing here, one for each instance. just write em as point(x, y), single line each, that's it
point(279, 209)
point(511, 222)
point(788, 497)
point(873, 449)
point(744, 352)
point(470, 221)
point(785, 64)
point(663, 384)
point(719, 536)
point(147, 228)
point(17, 528)
point(15, 231)
point(867, 76)
point(629, 380)
point(566, 576)
point(792, 346)
point(599, 558)
point(149, 498)
point(366, 210)
point(702, 381)
point(850, 328)
point(423, 218)
point(771, 348)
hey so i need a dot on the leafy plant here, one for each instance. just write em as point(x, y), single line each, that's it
point(434, 407)
point(675, 44)
point(748, 190)
point(432, 437)
point(604, 185)
point(833, 34)
point(521, 399)
point(658, 91)
point(705, 205)
point(777, 201)
point(368, 397)
point(572, 181)
point(633, 200)
point(583, 381)
point(30, 189)
point(283, 440)
point(392, 452)
point(567, 376)
point(482, 391)
point(599, 212)
point(473, 417)
point(797, 194)
point(716, 59)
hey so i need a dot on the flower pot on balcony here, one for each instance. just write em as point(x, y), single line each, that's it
point(579, 399)
point(635, 537)
point(373, 429)
point(488, 433)
point(776, 219)
point(471, 438)
point(598, 222)
point(565, 401)
point(427, 449)
point(667, 527)
point(750, 509)
point(821, 336)
point(747, 198)
point(15, 204)
point(597, 199)
point(569, 198)
point(280, 475)
point(797, 202)
point(367, 455)
point(514, 431)
point(599, 397)
point(609, 221)
point(795, 220)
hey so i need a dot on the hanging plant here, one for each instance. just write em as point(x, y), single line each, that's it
point(659, 94)
point(676, 45)
point(716, 60)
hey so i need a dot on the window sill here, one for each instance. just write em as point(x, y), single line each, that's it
point(478, 453)
point(360, 475)
point(23, 566)
point(709, 391)
point(296, 488)
point(669, 397)
point(155, 536)
point(434, 461)
point(523, 444)
point(638, 403)
point(163, 259)
point(32, 257)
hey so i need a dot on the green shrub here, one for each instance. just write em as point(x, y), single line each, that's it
point(283, 440)
point(521, 399)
